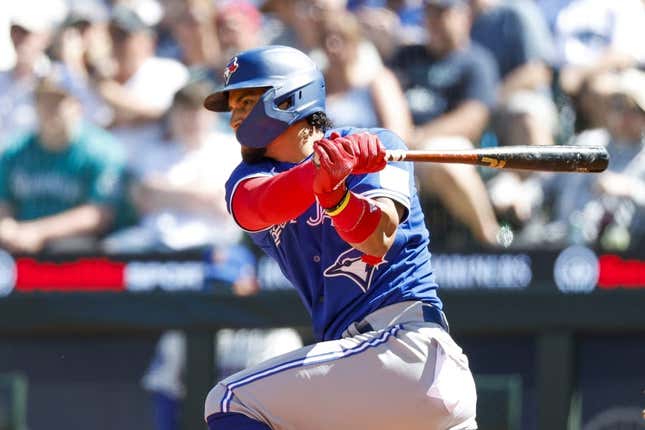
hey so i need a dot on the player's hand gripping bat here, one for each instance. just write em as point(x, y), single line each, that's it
point(553, 158)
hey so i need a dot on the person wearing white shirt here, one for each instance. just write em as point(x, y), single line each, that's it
point(142, 87)
point(30, 33)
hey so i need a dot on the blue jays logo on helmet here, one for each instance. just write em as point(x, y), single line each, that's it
point(287, 75)
point(351, 265)
point(231, 68)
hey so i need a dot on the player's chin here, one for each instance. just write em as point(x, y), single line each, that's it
point(253, 155)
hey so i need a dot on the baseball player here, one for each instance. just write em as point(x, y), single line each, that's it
point(347, 230)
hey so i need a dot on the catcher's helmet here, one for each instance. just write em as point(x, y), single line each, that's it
point(288, 75)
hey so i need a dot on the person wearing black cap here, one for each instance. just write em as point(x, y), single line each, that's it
point(450, 84)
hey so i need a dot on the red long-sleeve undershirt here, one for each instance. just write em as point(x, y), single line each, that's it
point(261, 202)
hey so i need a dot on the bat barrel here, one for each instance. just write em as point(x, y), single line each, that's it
point(546, 158)
point(553, 158)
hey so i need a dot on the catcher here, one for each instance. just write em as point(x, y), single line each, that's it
point(347, 230)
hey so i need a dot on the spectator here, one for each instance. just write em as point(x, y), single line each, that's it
point(391, 24)
point(309, 14)
point(30, 34)
point(589, 107)
point(81, 48)
point(594, 36)
point(517, 36)
point(354, 98)
point(239, 27)
point(450, 87)
point(302, 19)
point(179, 185)
point(7, 53)
point(456, 95)
point(609, 209)
point(191, 36)
point(61, 183)
point(142, 86)
point(286, 24)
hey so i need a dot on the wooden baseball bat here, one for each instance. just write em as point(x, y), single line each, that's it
point(551, 158)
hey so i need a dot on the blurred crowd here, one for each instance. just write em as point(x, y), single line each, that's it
point(105, 146)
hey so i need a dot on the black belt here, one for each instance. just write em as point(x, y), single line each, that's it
point(430, 314)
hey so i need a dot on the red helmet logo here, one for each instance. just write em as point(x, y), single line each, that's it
point(231, 67)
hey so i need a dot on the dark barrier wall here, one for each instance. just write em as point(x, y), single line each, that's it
point(548, 346)
point(81, 382)
point(610, 374)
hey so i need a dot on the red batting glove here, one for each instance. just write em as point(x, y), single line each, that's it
point(369, 151)
point(335, 162)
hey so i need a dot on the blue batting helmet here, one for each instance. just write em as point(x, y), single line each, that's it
point(288, 74)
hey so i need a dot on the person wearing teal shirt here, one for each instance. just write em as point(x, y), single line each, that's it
point(65, 180)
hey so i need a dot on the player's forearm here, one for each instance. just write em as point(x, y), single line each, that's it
point(380, 241)
point(366, 224)
point(262, 202)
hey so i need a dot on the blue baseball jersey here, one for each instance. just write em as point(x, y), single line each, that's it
point(336, 286)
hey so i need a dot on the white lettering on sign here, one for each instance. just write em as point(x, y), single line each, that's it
point(488, 271)
point(168, 276)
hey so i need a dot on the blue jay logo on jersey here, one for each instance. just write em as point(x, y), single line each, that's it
point(350, 264)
